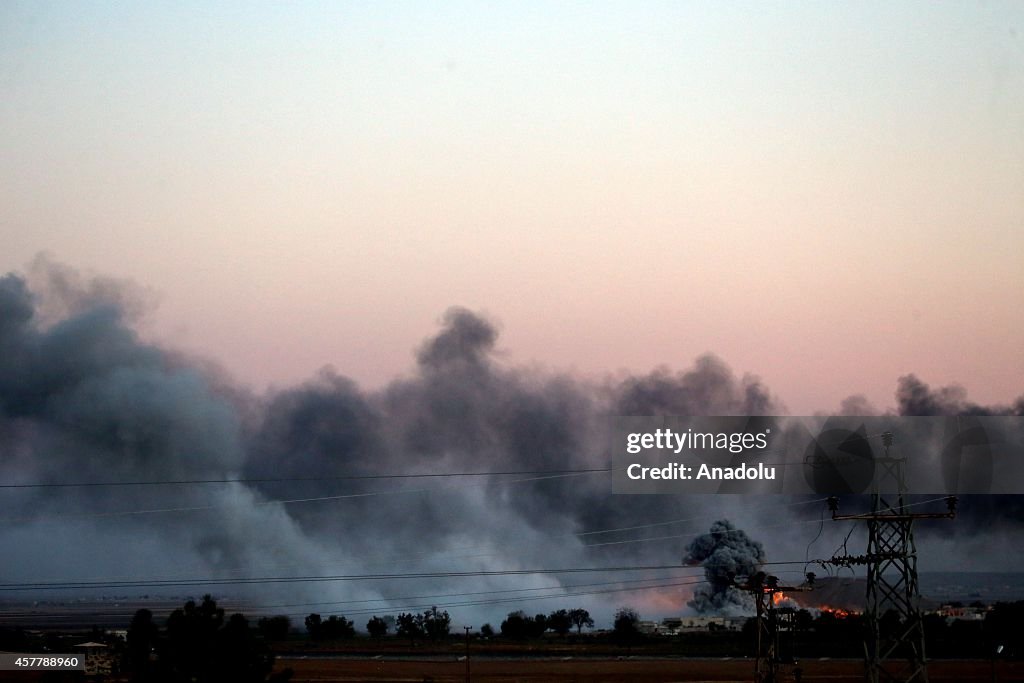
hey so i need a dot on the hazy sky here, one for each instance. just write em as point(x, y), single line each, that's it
point(828, 195)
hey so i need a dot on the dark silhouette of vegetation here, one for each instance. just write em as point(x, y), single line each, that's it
point(377, 627)
point(410, 626)
point(332, 628)
point(803, 620)
point(890, 624)
point(580, 618)
point(1004, 626)
point(191, 639)
point(625, 626)
point(518, 626)
point(436, 624)
point(313, 622)
point(198, 646)
point(201, 644)
point(274, 628)
point(560, 622)
point(515, 625)
point(143, 635)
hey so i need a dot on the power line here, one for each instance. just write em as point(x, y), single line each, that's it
point(265, 480)
point(389, 558)
point(80, 585)
point(366, 601)
point(496, 601)
point(675, 536)
point(455, 595)
point(290, 501)
point(687, 519)
point(376, 610)
point(162, 583)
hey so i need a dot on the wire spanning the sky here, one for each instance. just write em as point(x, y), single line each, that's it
point(268, 480)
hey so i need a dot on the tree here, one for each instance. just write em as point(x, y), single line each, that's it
point(516, 625)
point(487, 631)
point(580, 618)
point(935, 627)
point(1004, 625)
point(142, 638)
point(890, 624)
point(410, 626)
point(377, 627)
point(559, 622)
point(625, 625)
point(313, 623)
point(436, 624)
point(336, 627)
point(275, 628)
point(240, 657)
point(803, 620)
point(520, 627)
point(191, 639)
point(332, 628)
point(203, 648)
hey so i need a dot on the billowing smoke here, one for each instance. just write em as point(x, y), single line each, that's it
point(83, 398)
point(727, 554)
point(914, 397)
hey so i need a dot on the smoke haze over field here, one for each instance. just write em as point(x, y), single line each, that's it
point(83, 399)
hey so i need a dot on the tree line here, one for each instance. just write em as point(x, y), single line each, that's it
point(432, 624)
point(199, 643)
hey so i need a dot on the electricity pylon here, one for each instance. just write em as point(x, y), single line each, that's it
point(764, 588)
point(893, 652)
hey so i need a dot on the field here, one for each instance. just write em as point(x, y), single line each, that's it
point(619, 670)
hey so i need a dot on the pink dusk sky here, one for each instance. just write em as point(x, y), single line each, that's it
point(826, 195)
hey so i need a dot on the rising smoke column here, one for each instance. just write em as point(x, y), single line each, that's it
point(726, 553)
point(981, 519)
point(82, 397)
point(914, 397)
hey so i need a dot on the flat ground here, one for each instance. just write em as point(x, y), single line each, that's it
point(612, 670)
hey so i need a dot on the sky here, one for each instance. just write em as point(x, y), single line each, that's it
point(826, 195)
point(823, 196)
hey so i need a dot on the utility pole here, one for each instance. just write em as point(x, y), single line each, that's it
point(468, 628)
point(893, 653)
point(764, 589)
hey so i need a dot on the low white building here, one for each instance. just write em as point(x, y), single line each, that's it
point(677, 625)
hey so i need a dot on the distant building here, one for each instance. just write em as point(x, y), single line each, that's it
point(649, 628)
point(677, 625)
point(961, 613)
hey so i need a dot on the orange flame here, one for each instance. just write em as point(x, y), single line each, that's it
point(837, 612)
point(778, 597)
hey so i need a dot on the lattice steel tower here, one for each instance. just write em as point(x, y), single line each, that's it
point(765, 588)
point(894, 650)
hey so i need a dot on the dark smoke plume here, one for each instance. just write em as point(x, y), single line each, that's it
point(726, 553)
point(83, 398)
point(914, 397)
